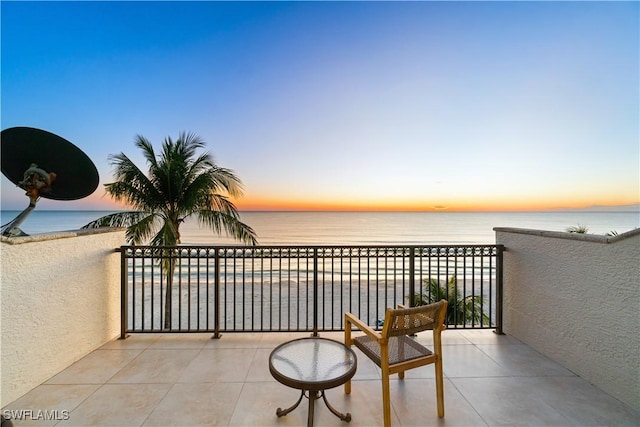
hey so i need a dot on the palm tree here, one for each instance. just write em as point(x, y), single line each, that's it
point(179, 184)
point(460, 309)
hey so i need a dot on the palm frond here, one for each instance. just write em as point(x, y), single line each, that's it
point(166, 236)
point(226, 180)
point(140, 231)
point(460, 308)
point(125, 191)
point(132, 185)
point(147, 150)
point(140, 225)
point(220, 221)
point(118, 220)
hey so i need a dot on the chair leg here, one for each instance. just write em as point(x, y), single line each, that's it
point(386, 401)
point(439, 388)
point(348, 342)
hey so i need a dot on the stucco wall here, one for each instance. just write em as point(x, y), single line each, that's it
point(59, 300)
point(576, 299)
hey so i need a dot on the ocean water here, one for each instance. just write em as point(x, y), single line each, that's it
point(362, 228)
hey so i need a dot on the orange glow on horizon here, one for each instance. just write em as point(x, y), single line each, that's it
point(251, 204)
point(104, 202)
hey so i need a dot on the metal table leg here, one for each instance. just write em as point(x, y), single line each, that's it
point(344, 417)
point(282, 412)
point(313, 395)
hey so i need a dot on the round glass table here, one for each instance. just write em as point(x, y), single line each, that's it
point(312, 365)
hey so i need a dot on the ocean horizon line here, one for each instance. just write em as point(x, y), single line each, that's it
point(595, 208)
point(358, 227)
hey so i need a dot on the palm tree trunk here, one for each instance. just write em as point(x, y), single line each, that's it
point(167, 296)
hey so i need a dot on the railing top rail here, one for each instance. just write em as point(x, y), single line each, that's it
point(340, 251)
point(328, 246)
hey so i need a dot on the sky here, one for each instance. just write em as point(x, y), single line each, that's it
point(343, 105)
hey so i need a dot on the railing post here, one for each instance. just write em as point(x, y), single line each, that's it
point(412, 276)
point(216, 294)
point(124, 293)
point(315, 292)
point(499, 284)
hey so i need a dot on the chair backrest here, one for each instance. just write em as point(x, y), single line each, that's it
point(406, 321)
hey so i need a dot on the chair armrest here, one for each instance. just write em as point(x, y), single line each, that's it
point(351, 318)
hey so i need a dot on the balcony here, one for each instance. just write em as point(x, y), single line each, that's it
point(569, 356)
point(193, 380)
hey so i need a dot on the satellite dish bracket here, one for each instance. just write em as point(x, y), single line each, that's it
point(12, 229)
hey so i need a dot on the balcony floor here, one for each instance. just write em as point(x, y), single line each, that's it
point(191, 380)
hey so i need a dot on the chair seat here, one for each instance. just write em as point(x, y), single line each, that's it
point(401, 349)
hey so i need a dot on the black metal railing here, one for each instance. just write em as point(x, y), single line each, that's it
point(303, 288)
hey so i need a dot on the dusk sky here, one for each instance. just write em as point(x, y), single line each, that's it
point(343, 105)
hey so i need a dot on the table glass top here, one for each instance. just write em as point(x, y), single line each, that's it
point(313, 360)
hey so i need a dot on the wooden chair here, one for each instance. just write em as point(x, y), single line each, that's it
point(395, 351)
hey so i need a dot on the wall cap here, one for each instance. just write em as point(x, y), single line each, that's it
point(570, 236)
point(41, 237)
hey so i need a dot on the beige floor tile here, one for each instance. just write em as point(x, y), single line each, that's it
point(522, 360)
point(273, 340)
point(204, 404)
point(364, 404)
point(132, 341)
point(61, 399)
point(367, 370)
point(182, 340)
point(510, 401)
point(468, 361)
point(120, 405)
point(234, 340)
point(422, 372)
point(333, 335)
point(258, 402)
point(156, 366)
point(414, 402)
point(218, 365)
point(259, 369)
point(488, 336)
point(582, 403)
point(449, 337)
point(96, 368)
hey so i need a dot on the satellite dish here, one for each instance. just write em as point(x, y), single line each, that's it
point(44, 165)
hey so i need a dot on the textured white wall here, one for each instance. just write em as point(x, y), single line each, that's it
point(59, 300)
point(576, 299)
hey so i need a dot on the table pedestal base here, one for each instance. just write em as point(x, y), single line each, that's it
point(313, 395)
